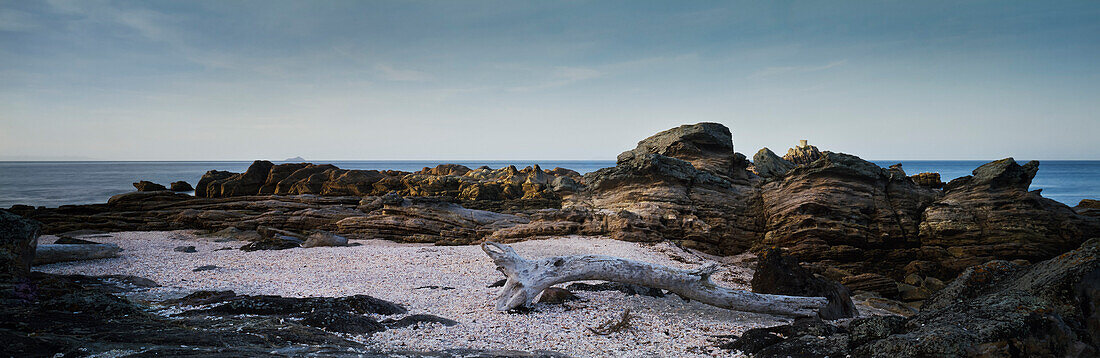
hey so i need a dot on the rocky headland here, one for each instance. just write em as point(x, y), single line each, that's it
point(883, 234)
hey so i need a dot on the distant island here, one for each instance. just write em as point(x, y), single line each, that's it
point(294, 159)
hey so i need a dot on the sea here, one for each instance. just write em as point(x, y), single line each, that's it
point(56, 183)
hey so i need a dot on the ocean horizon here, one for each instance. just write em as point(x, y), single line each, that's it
point(55, 183)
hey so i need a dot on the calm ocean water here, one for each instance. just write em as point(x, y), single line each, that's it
point(59, 183)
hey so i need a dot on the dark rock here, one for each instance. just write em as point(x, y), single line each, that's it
point(781, 275)
point(554, 295)
point(501, 282)
point(416, 320)
point(807, 346)
point(209, 186)
point(628, 289)
point(186, 249)
point(18, 239)
point(74, 241)
point(205, 268)
point(145, 185)
point(199, 298)
point(277, 305)
point(342, 321)
point(863, 330)
point(180, 186)
point(324, 238)
point(769, 165)
point(754, 340)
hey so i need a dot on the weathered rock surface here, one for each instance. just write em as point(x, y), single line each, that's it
point(992, 215)
point(997, 309)
point(768, 165)
point(802, 154)
point(18, 239)
point(428, 220)
point(841, 209)
point(145, 185)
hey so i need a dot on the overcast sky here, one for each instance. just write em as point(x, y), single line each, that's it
point(221, 80)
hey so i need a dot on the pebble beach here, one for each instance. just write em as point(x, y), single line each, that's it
point(447, 281)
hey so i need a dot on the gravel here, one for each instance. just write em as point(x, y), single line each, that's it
point(667, 326)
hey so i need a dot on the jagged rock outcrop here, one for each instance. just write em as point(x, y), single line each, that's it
point(802, 154)
point(531, 187)
point(663, 193)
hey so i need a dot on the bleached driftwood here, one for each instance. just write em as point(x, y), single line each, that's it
point(51, 253)
point(527, 278)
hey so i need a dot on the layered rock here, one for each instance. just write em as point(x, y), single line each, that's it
point(427, 220)
point(841, 209)
point(180, 186)
point(992, 215)
point(660, 187)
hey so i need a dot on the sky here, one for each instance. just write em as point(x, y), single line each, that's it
point(509, 80)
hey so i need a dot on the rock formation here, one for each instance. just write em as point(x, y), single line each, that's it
point(685, 184)
point(180, 186)
point(146, 185)
point(843, 217)
point(996, 309)
point(802, 154)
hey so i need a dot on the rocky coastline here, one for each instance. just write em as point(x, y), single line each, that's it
point(882, 233)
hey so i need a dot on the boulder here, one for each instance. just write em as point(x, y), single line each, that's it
point(1088, 207)
point(208, 186)
point(871, 282)
point(53, 253)
point(145, 185)
point(180, 186)
point(555, 295)
point(928, 180)
point(18, 239)
point(781, 275)
point(658, 193)
point(324, 238)
point(768, 165)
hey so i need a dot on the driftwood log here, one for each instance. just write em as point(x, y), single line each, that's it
point(527, 278)
point(51, 253)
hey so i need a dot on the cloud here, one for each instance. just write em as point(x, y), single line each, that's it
point(793, 70)
point(16, 21)
point(562, 76)
point(402, 75)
